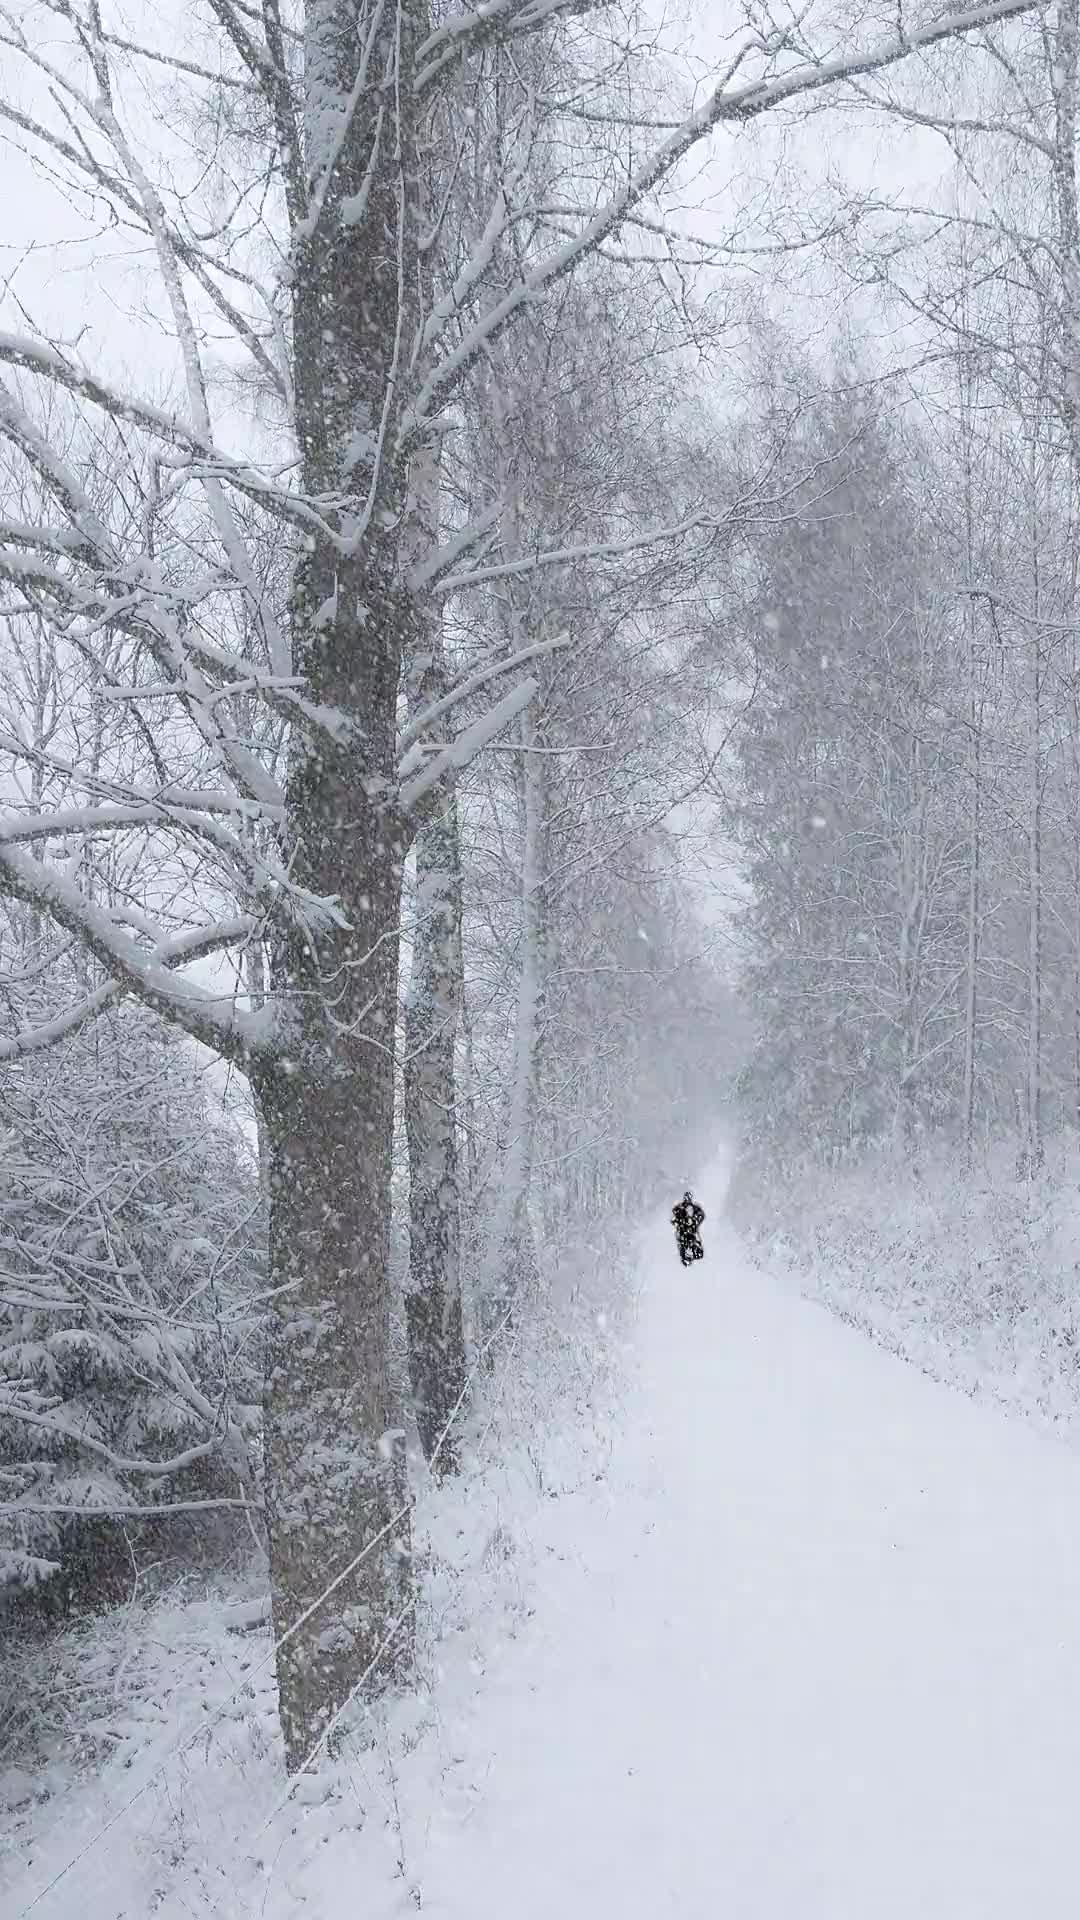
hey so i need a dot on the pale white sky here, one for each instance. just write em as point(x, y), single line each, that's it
point(71, 276)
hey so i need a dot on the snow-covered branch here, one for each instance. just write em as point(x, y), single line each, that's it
point(212, 1018)
point(727, 105)
point(203, 460)
point(154, 1469)
point(709, 524)
point(468, 744)
point(472, 683)
point(496, 20)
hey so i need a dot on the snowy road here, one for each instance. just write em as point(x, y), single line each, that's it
point(820, 1657)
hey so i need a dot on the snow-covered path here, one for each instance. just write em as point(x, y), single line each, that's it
point(819, 1654)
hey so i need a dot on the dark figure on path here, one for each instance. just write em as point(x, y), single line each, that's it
point(686, 1219)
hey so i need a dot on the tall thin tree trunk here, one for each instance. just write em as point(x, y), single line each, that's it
point(971, 979)
point(965, 381)
point(1034, 1061)
point(1074, 742)
point(255, 981)
point(1035, 775)
point(1065, 75)
point(1075, 729)
point(512, 1264)
point(913, 882)
point(433, 1015)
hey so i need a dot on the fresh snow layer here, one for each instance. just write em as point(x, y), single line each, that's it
point(807, 1647)
point(819, 1656)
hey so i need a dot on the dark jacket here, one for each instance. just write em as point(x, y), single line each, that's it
point(687, 1218)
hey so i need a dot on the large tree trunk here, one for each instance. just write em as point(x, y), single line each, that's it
point(335, 1491)
point(334, 1481)
point(335, 1484)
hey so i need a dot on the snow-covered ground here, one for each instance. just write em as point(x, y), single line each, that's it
point(951, 1260)
point(807, 1647)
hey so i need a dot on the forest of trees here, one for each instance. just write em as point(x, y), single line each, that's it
point(378, 597)
point(907, 797)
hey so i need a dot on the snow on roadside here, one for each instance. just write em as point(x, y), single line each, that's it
point(171, 1801)
point(970, 1274)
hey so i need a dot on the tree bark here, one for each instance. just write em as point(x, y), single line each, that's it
point(433, 1015)
point(975, 711)
point(974, 890)
point(336, 1496)
point(1035, 776)
point(1065, 80)
point(432, 1018)
point(512, 1265)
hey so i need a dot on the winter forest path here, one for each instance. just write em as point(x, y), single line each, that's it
point(816, 1656)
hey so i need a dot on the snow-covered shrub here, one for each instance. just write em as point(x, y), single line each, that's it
point(968, 1271)
point(131, 1258)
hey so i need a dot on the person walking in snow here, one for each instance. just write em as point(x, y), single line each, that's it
point(686, 1218)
